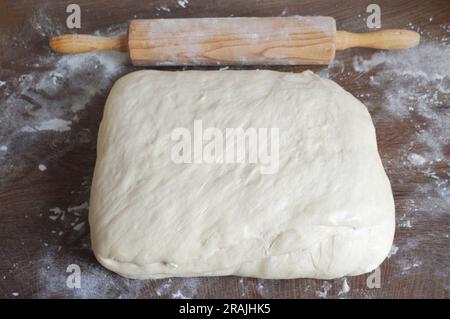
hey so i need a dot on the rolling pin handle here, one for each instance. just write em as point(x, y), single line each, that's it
point(393, 39)
point(80, 43)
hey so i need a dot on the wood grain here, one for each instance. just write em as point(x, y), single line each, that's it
point(232, 41)
point(32, 256)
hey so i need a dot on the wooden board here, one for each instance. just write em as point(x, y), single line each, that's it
point(51, 106)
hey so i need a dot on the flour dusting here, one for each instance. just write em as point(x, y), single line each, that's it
point(414, 85)
point(393, 251)
point(163, 8)
point(345, 288)
point(51, 95)
point(326, 287)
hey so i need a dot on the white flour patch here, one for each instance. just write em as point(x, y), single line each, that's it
point(326, 287)
point(393, 251)
point(416, 159)
point(261, 288)
point(164, 288)
point(407, 266)
point(163, 8)
point(56, 213)
point(57, 125)
point(406, 224)
point(42, 167)
point(179, 295)
point(76, 209)
point(3, 148)
point(183, 3)
point(73, 218)
point(414, 87)
point(335, 69)
point(185, 288)
point(345, 288)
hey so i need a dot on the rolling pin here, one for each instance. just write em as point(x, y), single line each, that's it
point(235, 41)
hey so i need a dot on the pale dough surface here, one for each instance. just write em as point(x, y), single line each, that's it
point(328, 211)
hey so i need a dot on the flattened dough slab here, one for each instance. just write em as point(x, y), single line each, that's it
point(327, 212)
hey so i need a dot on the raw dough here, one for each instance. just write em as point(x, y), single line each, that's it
point(327, 212)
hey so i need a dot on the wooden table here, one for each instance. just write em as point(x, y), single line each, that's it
point(46, 165)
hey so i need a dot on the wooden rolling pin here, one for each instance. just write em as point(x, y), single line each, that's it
point(239, 41)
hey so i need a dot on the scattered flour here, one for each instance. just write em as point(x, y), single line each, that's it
point(415, 88)
point(56, 213)
point(75, 209)
point(51, 95)
point(415, 85)
point(393, 251)
point(163, 8)
point(326, 287)
point(179, 295)
point(261, 288)
point(406, 224)
point(42, 167)
point(183, 3)
point(184, 288)
point(164, 288)
point(95, 281)
point(416, 159)
point(345, 287)
point(58, 125)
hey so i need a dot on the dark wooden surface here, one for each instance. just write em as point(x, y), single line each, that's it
point(35, 249)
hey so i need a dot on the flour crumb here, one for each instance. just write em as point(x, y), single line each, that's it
point(56, 213)
point(260, 287)
point(42, 167)
point(284, 12)
point(79, 226)
point(164, 287)
point(406, 224)
point(2, 83)
point(75, 209)
point(179, 295)
point(15, 294)
point(163, 8)
point(407, 265)
point(326, 288)
point(3, 148)
point(183, 3)
point(345, 288)
point(58, 125)
point(416, 159)
point(393, 251)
